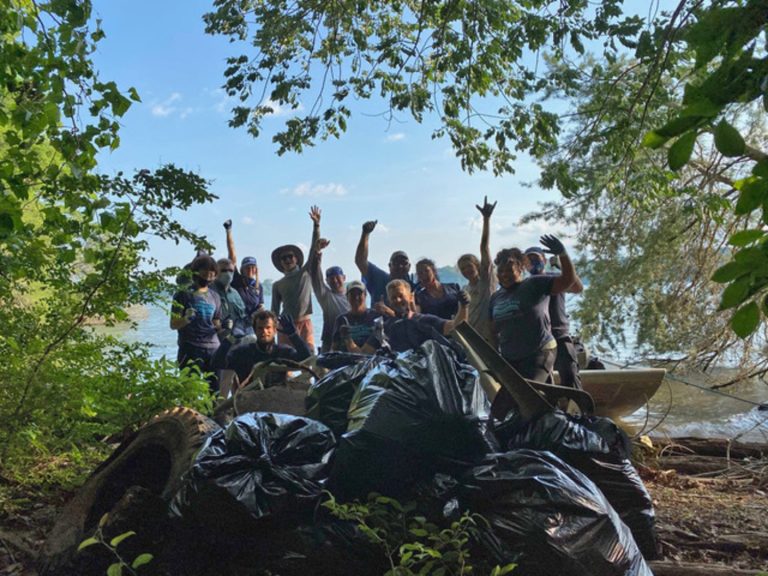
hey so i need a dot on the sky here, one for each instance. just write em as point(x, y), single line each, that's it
point(390, 172)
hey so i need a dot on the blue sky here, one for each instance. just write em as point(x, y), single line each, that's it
point(393, 172)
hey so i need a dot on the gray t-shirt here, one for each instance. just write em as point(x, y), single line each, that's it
point(332, 303)
point(480, 303)
point(521, 316)
point(295, 292)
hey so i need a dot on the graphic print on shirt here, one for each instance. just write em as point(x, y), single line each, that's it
point(506, 309)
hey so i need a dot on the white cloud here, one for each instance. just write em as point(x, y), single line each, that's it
point(278, 110)
point(396, 137)
point(310, 189)
point(166, 108)
point(247, 220)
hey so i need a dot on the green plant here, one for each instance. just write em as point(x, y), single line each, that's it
point(121, 565)
point(411, 543)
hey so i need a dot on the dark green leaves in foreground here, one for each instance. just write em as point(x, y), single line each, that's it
point(730, 72)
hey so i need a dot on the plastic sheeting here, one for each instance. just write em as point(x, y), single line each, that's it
point(600, 450)
point(412, 416)
point(261, 465)
point(550, 516)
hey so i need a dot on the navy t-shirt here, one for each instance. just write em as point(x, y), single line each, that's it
point(376, 282)
point(244, 356)
point(360, 327)
point(444, 306)
point(521, 317)
point(409, 333)
point(201, 331)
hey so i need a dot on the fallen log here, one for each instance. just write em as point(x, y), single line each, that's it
point(712, 447)
point(667, 568)
point(731, 543)
point(694, 464)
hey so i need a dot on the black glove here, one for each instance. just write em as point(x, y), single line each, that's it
point(369, 226)
point(552, 245)
point(464, 298)
point(190, 314)
point(286, 325)
point(227, 224)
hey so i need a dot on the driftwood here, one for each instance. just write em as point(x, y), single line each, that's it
point(667, 568)
point(694, 464)
point(731, 543)
point(717, 447)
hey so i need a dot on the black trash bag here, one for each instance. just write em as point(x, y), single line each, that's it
point(262, 466)
point(598, 448)
point(549, 515)
point(328, 399)
point(334, 360)
point(412, 416)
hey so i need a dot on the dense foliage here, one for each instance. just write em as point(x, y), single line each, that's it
point(73, 241)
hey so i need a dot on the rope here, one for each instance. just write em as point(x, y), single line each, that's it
point(762, 405)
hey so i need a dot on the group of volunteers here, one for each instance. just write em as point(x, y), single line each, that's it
point(224, 326)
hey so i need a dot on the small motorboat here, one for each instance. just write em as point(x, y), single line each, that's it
point(619, 393)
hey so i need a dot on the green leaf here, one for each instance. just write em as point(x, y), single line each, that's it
point(735, 293)
point(745, 237)
point(141, 559)
point(654, 140)
point(120, 537)
point(761, 169)
point(133, 94)
point(87, 542)
point(703, 107)
point(728, 272)
point(752, 193)
point(728, 141)
point(746, 320)
point(680, 152)
point(678, 126)
point(115, 569)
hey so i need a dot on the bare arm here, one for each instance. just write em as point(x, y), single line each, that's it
point(276, 299)
point(316, 270)
point(361, 254)
point(577, 287)
point(564, 282)
point(461, 316)
point(485, 240)
point(231, 246)
point(314, 215)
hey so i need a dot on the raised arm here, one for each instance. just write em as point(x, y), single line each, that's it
point(230, 242)
point(300, 349)
point(314, 215)
point(277, 299)
point(566, 279)
point(485, 240)
point(461, 315)
point(361, 254)
point(316, 269)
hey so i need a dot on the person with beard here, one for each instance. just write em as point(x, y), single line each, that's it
point(245, 280)
point(353, 328)
point(243, 357)
point(409, 329)
point(566, 361)
point(196, 316)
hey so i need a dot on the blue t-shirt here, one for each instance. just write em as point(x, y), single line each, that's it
point(201, 331)
point(252, 296)
point(360, 327)
point(376, 282)
point(444, 306)
point(409, 333)
point(521, 317)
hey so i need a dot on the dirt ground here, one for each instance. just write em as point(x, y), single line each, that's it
point(711, 521)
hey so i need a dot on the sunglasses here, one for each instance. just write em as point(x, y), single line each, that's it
point(289, 256)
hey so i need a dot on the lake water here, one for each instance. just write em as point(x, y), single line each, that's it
point(676, 410)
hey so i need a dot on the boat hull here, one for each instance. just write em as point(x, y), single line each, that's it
point(619, 393)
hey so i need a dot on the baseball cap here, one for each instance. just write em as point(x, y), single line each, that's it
point(398, 254)
point(248, 261)
point(535, 250)
point(355, 285)
point(334, 271)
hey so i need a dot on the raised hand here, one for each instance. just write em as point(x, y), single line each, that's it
point(552, 245)
point(227, 224)
point(322, 244)
point(369, 226)
point(314, 214)
point(486, 209)
point(464, 298)
point(286, 325)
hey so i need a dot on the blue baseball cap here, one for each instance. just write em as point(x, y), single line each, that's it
point(334, 271)
point(535, 250)
point(248, 261)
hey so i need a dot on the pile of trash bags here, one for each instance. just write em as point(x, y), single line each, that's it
point(558, 495)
